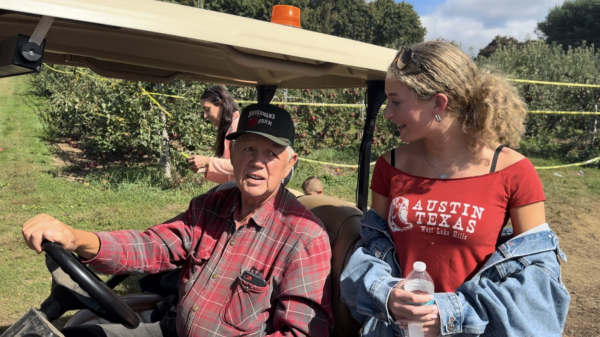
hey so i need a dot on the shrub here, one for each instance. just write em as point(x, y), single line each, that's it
point(562, 136)
point(115, 117)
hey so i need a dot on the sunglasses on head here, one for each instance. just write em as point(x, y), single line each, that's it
point(404, 57)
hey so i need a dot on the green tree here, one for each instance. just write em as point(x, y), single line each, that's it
point(572, 23)
point(499, 41)
point(255, 9)
point(350, 19)
point(380, 22)
point(395, 24)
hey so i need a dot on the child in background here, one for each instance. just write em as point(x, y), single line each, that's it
point(312, 185)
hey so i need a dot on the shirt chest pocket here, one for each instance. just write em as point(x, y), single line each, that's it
point(247, 305)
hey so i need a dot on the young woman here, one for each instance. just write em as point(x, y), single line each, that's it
point(222, 111)
point(444, 199)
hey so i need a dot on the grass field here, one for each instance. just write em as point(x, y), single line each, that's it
point(32, 183)
point(28, 187)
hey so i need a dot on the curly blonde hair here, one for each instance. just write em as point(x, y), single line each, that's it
point(488, 106)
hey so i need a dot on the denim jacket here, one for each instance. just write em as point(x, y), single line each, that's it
point(518, 292)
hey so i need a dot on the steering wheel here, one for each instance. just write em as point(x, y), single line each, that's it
point(91, 283)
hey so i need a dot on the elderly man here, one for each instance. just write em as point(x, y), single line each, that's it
point(257, 230)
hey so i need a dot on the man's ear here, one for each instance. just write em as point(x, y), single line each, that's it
point(291, 163)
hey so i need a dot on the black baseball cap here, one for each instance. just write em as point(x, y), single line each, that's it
point(268, 121)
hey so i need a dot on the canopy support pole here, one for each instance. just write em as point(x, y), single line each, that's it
point(375, 99)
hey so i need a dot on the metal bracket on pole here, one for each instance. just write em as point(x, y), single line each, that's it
point(265, 93)
point(32, 50)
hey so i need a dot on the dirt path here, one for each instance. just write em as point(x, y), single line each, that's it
point(578, 229)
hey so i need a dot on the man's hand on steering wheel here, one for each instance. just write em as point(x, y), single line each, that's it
point(64, 240)
point(45, 227)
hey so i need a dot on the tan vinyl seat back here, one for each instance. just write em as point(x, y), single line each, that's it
point(222, 186)
point(342, 222)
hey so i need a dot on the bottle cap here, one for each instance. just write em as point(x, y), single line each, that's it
point(419, 266)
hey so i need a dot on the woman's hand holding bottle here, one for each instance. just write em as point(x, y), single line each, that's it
point(411, 303)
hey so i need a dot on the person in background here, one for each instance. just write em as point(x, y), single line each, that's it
point(445, 199)
point(222, 111)
point(312, 185)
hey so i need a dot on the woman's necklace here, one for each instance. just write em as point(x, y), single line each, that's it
point(433, 165)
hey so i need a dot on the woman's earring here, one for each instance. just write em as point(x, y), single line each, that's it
point(438, 118)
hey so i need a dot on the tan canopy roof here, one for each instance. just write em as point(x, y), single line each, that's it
point(155, 41)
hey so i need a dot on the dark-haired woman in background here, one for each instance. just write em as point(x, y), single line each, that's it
point(221, 110)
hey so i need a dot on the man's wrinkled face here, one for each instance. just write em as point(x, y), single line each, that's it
point(259, 165)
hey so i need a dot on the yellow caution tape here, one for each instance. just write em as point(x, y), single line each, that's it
point(512, 80)
point(165, 95)
point(564, 112)
point(155, 102)
point(332, 164)
point(311, 104)
point(557, 83)
point(569, 165)
point(149, 94)
point(56, 70)
point(106, 116)
point(537, 168)
point(383, 107)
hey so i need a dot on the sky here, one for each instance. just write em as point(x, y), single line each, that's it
point(474, 23)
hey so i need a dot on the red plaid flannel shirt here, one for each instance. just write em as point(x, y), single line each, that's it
point(283, 241)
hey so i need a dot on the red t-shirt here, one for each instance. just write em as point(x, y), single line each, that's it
point(452, 224)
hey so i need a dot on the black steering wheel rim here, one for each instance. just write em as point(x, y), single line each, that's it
point(89, 282)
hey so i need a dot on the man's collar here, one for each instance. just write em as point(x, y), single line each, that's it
point(260, 215)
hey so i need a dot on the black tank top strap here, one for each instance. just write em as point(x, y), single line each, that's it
point(495, 160)
point(393, 159)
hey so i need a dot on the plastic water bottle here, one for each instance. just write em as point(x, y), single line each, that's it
point(418, 282)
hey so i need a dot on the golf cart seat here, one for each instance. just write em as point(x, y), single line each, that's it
point(342, 223)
